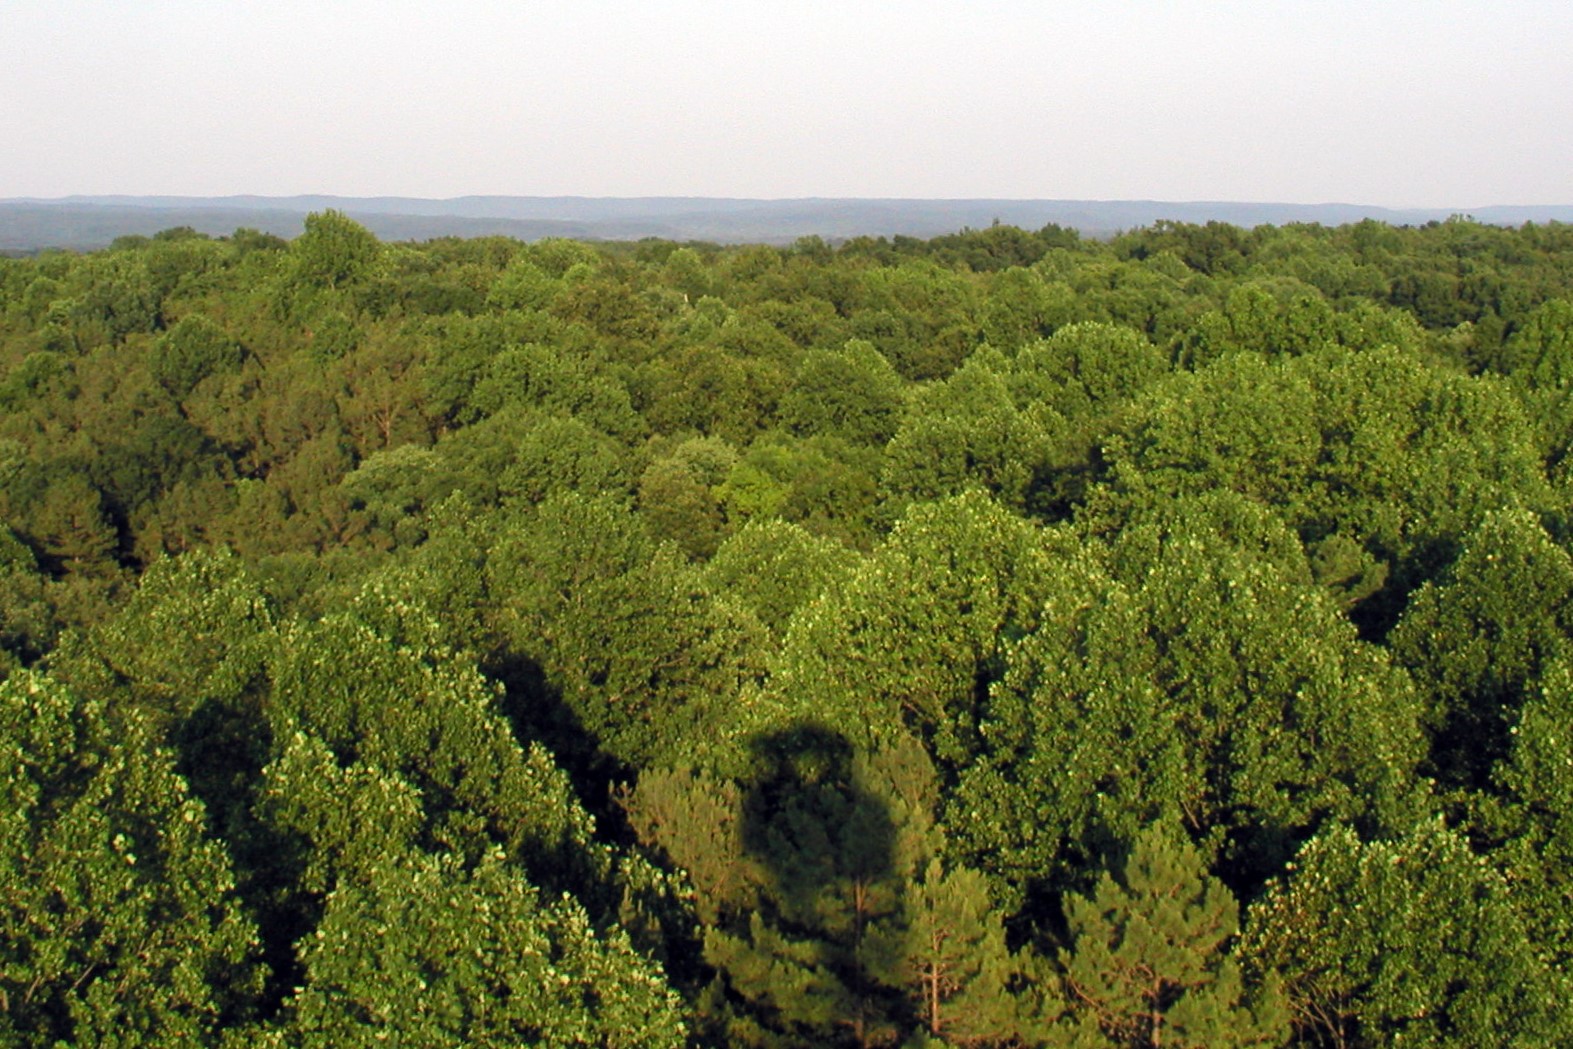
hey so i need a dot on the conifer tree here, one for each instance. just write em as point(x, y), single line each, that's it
point(945, 951)
point(829, 843)
point(1149, 963)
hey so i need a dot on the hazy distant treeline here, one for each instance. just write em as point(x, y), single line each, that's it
point(86, 223)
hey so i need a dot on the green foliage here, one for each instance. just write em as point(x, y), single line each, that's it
point(916, 635)
point(1283, 317)
point(678, 494)
point(190, 351)
point(118, 923)
point(565, 454)
point(39, 377)
point(967, 432)
point(829, 860)
point(197, 631)
point(402, 704)
point(627, 634)
point(1475, 646)
point(823, 484)
point(1206, 682)
point(1410, 941)
point(891, 588)
point(62, 515)
point(826, 912)
point(387, 494)
point(852, 393)
point(538, 376)
point(334, 252)
point(776, 567)
point(115, 297)
point(946, 951)
point(1376, 445)
point(431, 953)
point(1538, 358)
point(1148, 963)
point(1534, 818)
point(1087, 368)
point(1022, 307)
point(1076, 384)
point(27, 621)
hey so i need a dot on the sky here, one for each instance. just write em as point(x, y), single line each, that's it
point(1398, 103)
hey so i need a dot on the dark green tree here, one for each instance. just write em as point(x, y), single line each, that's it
point(28, 625)
point(191, 350)
point(852, 393)
point(1149, 961)
point(945, 950)
point(626, 633)
point(679, 494)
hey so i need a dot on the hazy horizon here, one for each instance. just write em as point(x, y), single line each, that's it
point(134, 198)
point(1449, 104)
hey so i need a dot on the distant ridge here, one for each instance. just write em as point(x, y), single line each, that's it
point(86, 222)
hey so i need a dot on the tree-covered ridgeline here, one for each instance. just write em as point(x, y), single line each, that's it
point(1001, 640)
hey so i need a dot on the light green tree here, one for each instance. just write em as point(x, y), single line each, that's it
point(968, 432)
point(430, 952)
point(557, 453)
point(1531, 819)
point(1378, 447)
point(918, 632)
point(1192, 671)
point(1077, 383)
point(1411, 941)
point(776, 567)
point(118, 920)
point(1477, 640)
point(333, 252)
point(381, 687)
point(1539, 360)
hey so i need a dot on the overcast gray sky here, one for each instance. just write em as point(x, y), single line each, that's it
point(1389, 102)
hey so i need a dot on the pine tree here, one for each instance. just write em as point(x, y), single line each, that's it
point(945, 950)
point(1149, 964)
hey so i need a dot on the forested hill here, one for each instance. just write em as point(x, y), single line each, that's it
point(86, 222)
point(1003, 639)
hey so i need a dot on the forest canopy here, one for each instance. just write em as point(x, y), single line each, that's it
point(1004, 639)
